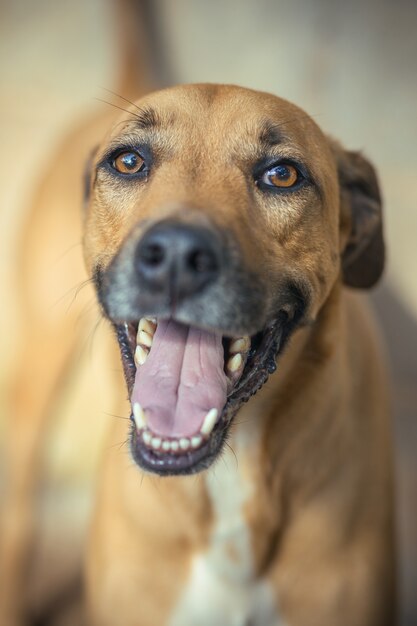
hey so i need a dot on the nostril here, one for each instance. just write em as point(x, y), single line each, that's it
point(202, 261)
point(152, 255)
point(179, 259)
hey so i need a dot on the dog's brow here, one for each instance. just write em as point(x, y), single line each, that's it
point(146, 118)
point(270, 135)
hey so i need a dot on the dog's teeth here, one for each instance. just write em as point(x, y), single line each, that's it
point(147, 437)
point(173, 445)
point(209, 422)
point(141, 354)
point(184, 443)
point(196, 441)
point(147, 325)
point(242, 344)
point(144, 339)
point(156, 443)
point(139, 416)
point(235, 363)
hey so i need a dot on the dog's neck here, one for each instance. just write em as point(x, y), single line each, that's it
point(247, 486)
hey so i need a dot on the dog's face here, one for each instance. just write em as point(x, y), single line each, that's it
point(217, 220)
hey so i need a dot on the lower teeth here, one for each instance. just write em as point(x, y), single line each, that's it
point(152, 440)
point(170, 445)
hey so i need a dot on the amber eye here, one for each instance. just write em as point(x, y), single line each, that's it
point(283, 175)
point(128, 163)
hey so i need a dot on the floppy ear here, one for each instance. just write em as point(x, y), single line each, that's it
point(363, 252)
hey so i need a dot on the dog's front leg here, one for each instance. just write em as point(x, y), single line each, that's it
point(143, 535)
point(323, 578)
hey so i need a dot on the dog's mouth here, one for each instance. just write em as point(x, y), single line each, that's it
point(186, 384)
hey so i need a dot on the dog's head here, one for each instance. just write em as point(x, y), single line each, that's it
point(217, 220)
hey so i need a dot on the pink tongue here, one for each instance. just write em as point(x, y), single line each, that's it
point(181, 380)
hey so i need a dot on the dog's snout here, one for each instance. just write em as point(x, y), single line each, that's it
point(179, 258)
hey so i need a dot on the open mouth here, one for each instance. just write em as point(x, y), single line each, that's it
point(185, 386)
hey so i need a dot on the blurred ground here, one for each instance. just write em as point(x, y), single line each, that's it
point(353, 66)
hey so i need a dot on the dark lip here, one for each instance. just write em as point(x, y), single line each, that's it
point(261, 363)
point(190, 462)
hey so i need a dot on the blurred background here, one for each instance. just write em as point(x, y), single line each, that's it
point(352, 66)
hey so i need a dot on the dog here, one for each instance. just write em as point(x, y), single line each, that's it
point(226, 234)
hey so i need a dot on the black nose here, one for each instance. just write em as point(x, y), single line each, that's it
point(178, 258)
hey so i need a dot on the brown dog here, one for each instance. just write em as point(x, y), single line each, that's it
point(220, 227)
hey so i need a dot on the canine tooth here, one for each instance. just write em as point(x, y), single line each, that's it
point(196, 441)
point(174, 446)
point(147, 326)
point(139, 416)
point(235, 363)
point(141, 354)
point(156, 443)
point(144, 339)
point(166, 445)
point(147, 437)
point(184, 443)
point(209, 422)
point(242, 344)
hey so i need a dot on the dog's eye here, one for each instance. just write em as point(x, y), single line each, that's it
point(283, 175)
point(128, 163)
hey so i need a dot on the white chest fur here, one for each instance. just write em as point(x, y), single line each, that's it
point(222, 589)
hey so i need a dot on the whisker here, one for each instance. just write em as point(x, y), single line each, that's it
point(88, 306)
point(65, 252)
point(120, 417)
point(239, 422)
point(117, 107)
point(224, 460)
point(156, 483)
point(119, 123)
point(118, 95)
point(86, 345)
point(92, 335)
point(77, 288)
point(234, 454)
point(119, 445)
point(86, 310)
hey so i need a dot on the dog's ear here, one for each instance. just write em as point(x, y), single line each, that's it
point(363, 251)
point(87, 177)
